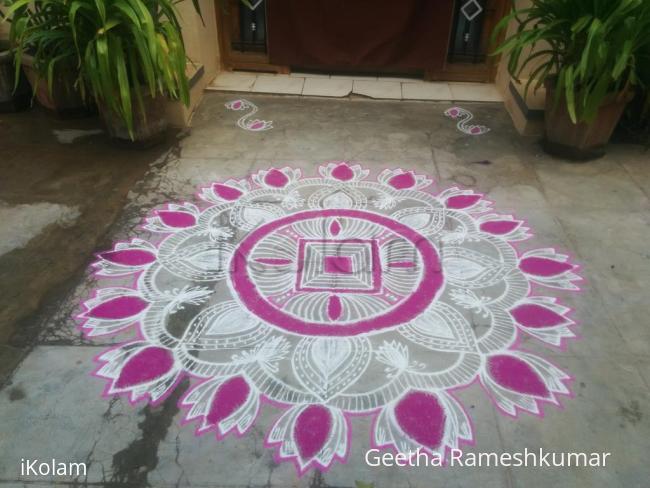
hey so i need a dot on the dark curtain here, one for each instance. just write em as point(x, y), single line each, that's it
point(359, 35)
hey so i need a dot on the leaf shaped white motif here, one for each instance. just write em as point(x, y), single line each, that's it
point(232, 320)
point(326, 366)
point(210, 260)
point(337, 200)
point(463, 269)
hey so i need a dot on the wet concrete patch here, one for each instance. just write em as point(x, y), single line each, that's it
point(60, 200)
point(20, 223)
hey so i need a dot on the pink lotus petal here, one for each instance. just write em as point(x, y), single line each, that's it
point(334, 307)
point(335, 228)
point(226, 192)
point(236, 105)
point(129, 257)
point(402, 181)
point(343, 172)
point(276, 178)
point(500, 227)
point(517, 375)
point(536, 316)
point(256, 125)
point(544, 267)
point(422, 418)
point(231, 395)
point(475, 130)
point(462, 201)
point(118, 308)
point(147, 365)
point(311, 430)
point(176, 219)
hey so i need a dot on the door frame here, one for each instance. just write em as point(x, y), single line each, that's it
point(226, 12)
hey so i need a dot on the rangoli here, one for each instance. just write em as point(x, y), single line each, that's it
point(464, 117)
point(331, 297)
point(245, 121)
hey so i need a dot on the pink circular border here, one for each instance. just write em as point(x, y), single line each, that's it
point(416, 303)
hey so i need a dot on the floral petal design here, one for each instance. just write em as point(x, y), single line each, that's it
point(505, 226)
point(402, 181)
point(342, 172)
point(543, 267)
point(129, 257)
point(521, 380)
point(546, 267)
point(311, 430)
point(111, 310)
point(463, 200)
point(544, 318)
point(322, 296)
point(126, 258)
point(178, 220)
point(421, 420)
point(458, 202)
point(139, 370)
point(118, 308)
point(515, 374)
point(224, 405)
point(310, 435)
point(173, 219)
point(536, 316)
point(500, 227)
point(147, 365)
point(226, 192)
point(276, 178)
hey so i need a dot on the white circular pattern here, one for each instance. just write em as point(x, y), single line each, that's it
point(333, 296)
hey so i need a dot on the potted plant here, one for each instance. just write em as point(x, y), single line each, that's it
point(586, 54)
point(14, 94)
point(131, 60)
point(40, 32)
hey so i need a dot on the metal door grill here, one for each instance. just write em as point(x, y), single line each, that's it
point(467, 44)
point(252, 28)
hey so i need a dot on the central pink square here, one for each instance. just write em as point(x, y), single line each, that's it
point(337, 264)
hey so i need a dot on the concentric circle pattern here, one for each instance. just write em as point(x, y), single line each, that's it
point(332, 296)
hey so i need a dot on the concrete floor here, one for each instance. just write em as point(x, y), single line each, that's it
point(60, 201)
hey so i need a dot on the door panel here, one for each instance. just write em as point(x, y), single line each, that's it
point(360, 35)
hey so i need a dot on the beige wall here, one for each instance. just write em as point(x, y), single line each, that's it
point(533, 100)
point(202, 46)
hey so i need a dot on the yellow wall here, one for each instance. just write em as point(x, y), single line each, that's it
point(202, 46)
point(533, 100)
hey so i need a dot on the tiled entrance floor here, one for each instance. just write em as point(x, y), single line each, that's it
point(342, 86)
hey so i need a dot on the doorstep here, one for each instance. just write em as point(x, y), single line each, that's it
point(334, 86)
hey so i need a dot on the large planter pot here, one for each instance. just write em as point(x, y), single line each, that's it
point(11, 100)
point(148, 129)
point(65, 101)
point(582, 141)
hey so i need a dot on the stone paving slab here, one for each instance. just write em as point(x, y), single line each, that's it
point(597, 211)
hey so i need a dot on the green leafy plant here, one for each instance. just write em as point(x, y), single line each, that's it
point(41, 29)
point(590, 48)
point(122, 50)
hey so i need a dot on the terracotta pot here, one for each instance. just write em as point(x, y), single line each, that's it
point(65, 101)
point(582, 141)
point(148, 128)
point(11, 100)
